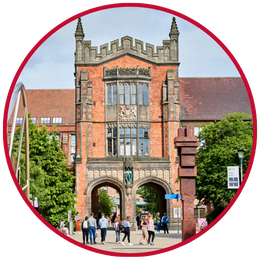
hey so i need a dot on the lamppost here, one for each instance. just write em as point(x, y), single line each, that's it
point(240, 152)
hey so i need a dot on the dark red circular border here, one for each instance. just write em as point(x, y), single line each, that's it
point(140, 5)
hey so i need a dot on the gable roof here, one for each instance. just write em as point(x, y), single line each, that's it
point(211, 98)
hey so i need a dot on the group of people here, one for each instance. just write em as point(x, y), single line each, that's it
point(159, 222)
point(90, 227)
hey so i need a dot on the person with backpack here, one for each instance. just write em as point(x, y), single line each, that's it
point(84, 228)
point(165, 221)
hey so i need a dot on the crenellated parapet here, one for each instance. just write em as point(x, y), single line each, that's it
point(89, 55)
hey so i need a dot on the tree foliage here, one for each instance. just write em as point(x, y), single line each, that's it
point(216, 153)
point(50, 180)
point(106, 202)
point(151, 197)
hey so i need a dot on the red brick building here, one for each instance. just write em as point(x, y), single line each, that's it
point(123, 116)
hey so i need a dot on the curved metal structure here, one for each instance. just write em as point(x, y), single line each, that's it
point(16, 96)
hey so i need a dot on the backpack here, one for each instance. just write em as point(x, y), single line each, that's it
point(85, 224)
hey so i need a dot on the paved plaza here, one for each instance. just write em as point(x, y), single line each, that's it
point(161, 241)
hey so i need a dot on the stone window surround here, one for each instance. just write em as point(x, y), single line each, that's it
point(129, 78)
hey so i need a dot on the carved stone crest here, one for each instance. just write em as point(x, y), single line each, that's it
point(127, 113)
point(128, 162)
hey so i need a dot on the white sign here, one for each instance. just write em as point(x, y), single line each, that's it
point(233, 177)
point(176, 212)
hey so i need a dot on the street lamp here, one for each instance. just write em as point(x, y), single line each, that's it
point(240, 152)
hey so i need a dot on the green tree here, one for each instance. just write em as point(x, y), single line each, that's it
point(216, 153)
point(151, 197)
point(138, 210)
point(50, 180)
point(106, 203)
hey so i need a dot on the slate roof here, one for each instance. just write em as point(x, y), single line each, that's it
point(210, 98)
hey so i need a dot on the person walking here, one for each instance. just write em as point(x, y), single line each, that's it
point(117, 223)
point(127, 226)
point(103, 227)
point(158, 222)
point(144, 225)
point(77, 223)
point(113, 218)
point(92, 226)
point(138, 220)
point(84, 228)
point(150, 229)
point(165, 223)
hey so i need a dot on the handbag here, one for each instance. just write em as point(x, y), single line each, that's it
point(123, 229)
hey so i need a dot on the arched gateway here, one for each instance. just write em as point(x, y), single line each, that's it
point(127, 115)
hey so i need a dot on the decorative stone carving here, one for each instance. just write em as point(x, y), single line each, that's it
point(128, 162)
point(127, 113)
point(125, 72)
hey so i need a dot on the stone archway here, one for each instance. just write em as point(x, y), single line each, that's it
point(162, 187)
point(105, 181)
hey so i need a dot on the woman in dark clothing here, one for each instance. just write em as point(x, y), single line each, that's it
point(85, 230)
point(113, 218)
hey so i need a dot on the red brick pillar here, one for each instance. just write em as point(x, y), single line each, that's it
point(186, 143)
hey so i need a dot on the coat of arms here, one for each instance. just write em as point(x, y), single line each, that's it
point(127, 113)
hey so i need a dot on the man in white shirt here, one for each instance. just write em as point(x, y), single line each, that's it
point(103, 226)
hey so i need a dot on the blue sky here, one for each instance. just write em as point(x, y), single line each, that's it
point(52, 65)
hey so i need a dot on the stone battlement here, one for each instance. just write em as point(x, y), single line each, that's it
point(87, 54)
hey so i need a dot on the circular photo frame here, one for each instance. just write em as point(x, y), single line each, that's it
point(128, 113)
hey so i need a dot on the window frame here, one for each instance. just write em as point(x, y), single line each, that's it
point(60, 119)
point(114, 141)
point(133, 136)
point(72, 144)
point(43, 122)
point(121, 93)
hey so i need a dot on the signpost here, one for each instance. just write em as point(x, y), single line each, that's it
point(177, 210)
point(233, 177)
